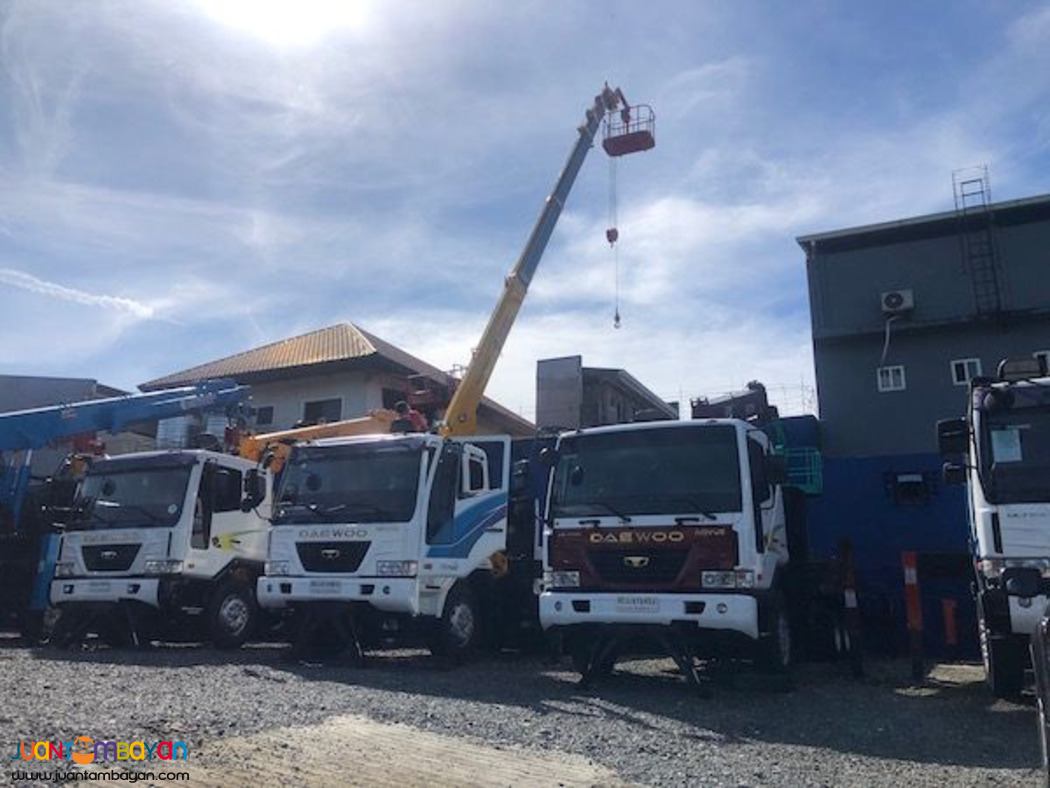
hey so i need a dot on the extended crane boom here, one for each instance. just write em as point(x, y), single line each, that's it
point(461, 414)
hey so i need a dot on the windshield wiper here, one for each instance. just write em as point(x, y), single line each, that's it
point(285, 510)
point(695, 507)
point(624, 518)
point(371, 508)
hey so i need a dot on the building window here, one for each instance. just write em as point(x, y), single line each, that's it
point(891, 378)
point(264, 416)
point(1044, 358)
point(323, 411)
point(964, 370)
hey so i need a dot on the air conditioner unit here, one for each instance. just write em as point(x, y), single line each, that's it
point(894, 302)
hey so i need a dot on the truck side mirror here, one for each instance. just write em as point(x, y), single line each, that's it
point(776, 469)
point(953, 436)
point(953, 473)
point(254, 489)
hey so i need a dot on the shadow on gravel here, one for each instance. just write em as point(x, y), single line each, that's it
point(950, 720)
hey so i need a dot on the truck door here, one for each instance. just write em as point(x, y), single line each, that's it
point(468, 507)
point(769, 531)
point(219, 531)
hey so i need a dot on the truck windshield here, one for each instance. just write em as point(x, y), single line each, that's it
point(656, 471)
point(1015, 455)
point(135, 497)
point(364, 482)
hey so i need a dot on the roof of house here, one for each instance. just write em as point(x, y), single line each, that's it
point(341, 347)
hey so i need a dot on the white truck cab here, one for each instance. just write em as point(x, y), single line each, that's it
point(1004, 447)
point(402, 533)
point(674, 530)
point(156, 535)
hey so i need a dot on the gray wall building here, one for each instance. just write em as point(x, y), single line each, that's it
point(571, 395)
point(905, 313)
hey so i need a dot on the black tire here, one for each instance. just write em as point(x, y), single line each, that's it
point(69, 628)
point(581, 656)
point(1004, 665)
point(232, 615)
point(459, 628)
point(775, 650)
point(1004, 661)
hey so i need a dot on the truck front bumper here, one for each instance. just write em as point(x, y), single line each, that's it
point(734, 612)
point(389, 594)
point(77, 590)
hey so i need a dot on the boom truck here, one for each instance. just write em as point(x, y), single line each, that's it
point(171, 543)
point(31, 507)
point(1001, 451)
point(405, 536)
point(667, 536)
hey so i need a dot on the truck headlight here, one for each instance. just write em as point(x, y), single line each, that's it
point(745, 578)
point(64, 569)
point(277, 568)
point(396, 568)
point(562, 579)
point(718, 579)
point(166, 567)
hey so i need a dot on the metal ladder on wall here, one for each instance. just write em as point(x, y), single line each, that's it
point(973, 197)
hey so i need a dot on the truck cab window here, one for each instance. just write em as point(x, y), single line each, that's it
point(228, 486)
point(760, 486)
point(441, 510)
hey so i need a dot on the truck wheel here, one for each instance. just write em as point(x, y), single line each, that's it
point(1004, 665)
point(459, 627)
point(775, 649)
point(232, 615)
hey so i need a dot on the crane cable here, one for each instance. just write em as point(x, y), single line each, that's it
point(612, 234)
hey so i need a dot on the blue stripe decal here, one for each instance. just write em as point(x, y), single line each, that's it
point(468, 527)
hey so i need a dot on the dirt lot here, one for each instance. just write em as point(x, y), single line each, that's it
point(254, 718)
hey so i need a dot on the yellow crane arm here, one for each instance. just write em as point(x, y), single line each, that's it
point(255, 447)
point(462, 412)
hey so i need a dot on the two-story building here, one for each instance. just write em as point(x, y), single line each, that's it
point(904, 314)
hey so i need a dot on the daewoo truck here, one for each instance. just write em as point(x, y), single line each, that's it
point(1001, 451)
point(157, 540)
point(32, 509)
point(667, 536)
point(410, 532)
point(390, 536)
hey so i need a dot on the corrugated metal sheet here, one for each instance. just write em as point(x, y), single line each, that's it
point(340, 342)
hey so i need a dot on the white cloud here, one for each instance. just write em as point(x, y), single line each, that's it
point(29, 282)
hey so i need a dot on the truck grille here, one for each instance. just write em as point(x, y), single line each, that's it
point(109, 557)
point(332, 556)
point(638, 566)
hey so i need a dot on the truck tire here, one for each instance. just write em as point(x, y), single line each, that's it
point(1004, 666)
point(232, 615)
point(1004, 660)
point(459, 628)
point(775, 651)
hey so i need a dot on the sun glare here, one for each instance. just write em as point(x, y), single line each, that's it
point(289, 22)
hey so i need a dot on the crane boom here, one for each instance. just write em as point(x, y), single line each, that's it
point(461, 414)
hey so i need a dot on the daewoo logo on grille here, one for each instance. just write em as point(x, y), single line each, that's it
point(636, 561)
point(108, 555)
point(330, 555)
point(635, 537)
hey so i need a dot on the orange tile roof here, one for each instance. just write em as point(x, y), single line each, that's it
point(334, 345)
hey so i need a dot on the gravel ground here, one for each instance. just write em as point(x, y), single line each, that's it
point(642, 726)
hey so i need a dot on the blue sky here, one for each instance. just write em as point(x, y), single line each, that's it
point(180, 181)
